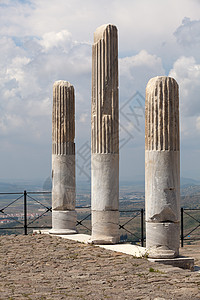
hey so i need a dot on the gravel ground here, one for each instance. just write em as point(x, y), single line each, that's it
point(48, 267)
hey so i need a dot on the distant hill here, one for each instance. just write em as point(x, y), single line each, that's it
point(20, 185)
point(188, 181)
point(9, 188)
point(81, 185)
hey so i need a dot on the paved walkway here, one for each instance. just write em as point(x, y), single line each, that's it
point(49, 267)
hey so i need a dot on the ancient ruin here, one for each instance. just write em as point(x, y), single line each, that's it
point(162, 168)
point(63, 159)
point(105, 137)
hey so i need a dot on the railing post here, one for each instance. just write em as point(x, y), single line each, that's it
point(25, 213)
point(142, 227)
point(182, 236)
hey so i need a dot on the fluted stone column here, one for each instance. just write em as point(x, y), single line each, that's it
point(63, 159)
point(162, 168)
point(105, 137)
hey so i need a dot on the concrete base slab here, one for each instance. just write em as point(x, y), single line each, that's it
point(180, 262)
point(81, 238)
point(129, 249)
point(43, 231)
point(104, 240)
point(62, 231)
point(134, 250)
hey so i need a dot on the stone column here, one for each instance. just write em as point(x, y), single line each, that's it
point(105, 137)
point(63, 159)
point(162, 168)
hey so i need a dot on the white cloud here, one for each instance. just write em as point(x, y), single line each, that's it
point(188, 34)
point(62, 40)
point(187, 73)
point(44, 41)
point(135, 72)
point(26, 80)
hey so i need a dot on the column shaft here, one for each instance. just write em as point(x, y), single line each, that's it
point(162, 168)
point(105, 136)
point(63, 159)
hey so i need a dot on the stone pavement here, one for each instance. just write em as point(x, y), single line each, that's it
point(49, 267)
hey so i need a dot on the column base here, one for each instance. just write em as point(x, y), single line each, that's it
point(105, 227)
point(63, 222)
point(104, 240)
point(162, 239)
point(180, 262)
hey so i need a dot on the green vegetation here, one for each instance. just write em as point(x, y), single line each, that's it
point(155, 270)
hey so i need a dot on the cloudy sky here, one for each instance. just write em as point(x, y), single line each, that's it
point(43, 41)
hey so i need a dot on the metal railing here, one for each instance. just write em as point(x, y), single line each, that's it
point(83, 216)
point(190, 218)
point(25, 225)
point(138, 234)
point(190, 223)
point(83, 220)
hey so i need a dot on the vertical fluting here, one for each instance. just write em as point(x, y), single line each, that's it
point(162, 167)
point(162, 115)
point(105, 132)
point(105, 136)
point(63, 159)
point(63, 119)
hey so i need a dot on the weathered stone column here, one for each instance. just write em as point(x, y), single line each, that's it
point(162, 168)
point(63, 159)
point(105, 136)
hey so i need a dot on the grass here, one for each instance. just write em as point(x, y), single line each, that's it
point(155, 270)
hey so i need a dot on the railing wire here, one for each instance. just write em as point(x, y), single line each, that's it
point(25, 225)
